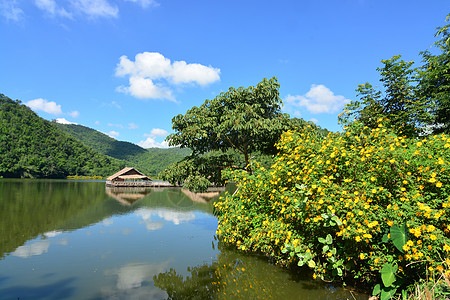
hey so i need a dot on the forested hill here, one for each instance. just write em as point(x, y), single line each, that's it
point(33, 147)
point(150, 161)
point(101, 142)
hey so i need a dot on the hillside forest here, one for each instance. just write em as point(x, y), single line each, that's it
point(31, 147)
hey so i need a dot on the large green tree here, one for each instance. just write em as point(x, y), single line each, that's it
point(237, 123)
point(244, 119)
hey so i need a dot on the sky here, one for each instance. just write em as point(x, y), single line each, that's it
point(127, 67)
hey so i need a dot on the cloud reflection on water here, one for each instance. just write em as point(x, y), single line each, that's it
point(36, 248)
point(135, 280)
point(167, 215)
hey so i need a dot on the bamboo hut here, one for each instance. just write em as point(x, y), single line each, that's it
point(129, 177)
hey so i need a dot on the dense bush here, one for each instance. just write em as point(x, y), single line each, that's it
point(364, 206)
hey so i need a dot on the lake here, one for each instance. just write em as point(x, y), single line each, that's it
point(62, 239)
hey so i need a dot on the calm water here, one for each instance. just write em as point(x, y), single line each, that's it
point(78, 240)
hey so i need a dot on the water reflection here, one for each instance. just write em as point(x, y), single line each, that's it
point(237, 276)
point(135, 280)
point(76, 240)
point(127, 195)
point(36, 248)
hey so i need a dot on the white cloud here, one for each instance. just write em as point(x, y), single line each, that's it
point(144, 88)
point(150, 142)
point(49, 107)
point(64, 121)
point(51, 8)
point(10, 10)
point(36, 248)
point(89, 8)
point(314, 120)
point(151, 67)
point(157, 132)
point(319, 99)
point(113, 134)
point(145, 3)
point(74, 114)
point(95, 8)
point(186, 73)
point(97, 122)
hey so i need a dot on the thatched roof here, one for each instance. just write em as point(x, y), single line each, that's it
point(128, 174)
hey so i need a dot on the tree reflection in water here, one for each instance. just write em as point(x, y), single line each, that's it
point(238, 276)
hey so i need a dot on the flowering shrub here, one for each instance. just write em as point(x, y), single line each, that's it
point(364, 206)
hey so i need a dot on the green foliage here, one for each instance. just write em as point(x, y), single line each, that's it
point(365, 206)
point(33, 147)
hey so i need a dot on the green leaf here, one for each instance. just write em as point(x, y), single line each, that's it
point(385, 238)
point(399, 236)
point(329, 239)
point(388, 274)
point(336, 219)
point(376, 290)
point(311, 264)
point(387, 293)
point(322, 240)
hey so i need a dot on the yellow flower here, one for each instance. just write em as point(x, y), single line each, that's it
point(362, 256)
point(433, 237)
point(439, 184)
point(446, 248)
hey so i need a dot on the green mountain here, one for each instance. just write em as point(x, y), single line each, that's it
point(101, 142)
point(33, 147)
point(150, 161)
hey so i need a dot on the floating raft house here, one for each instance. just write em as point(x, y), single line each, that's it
point(129, 177)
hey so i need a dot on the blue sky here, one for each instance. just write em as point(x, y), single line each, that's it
point(127, 67)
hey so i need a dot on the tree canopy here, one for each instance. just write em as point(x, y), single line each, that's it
point(244, 119)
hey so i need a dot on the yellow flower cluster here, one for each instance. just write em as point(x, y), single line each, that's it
point(373, 192)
